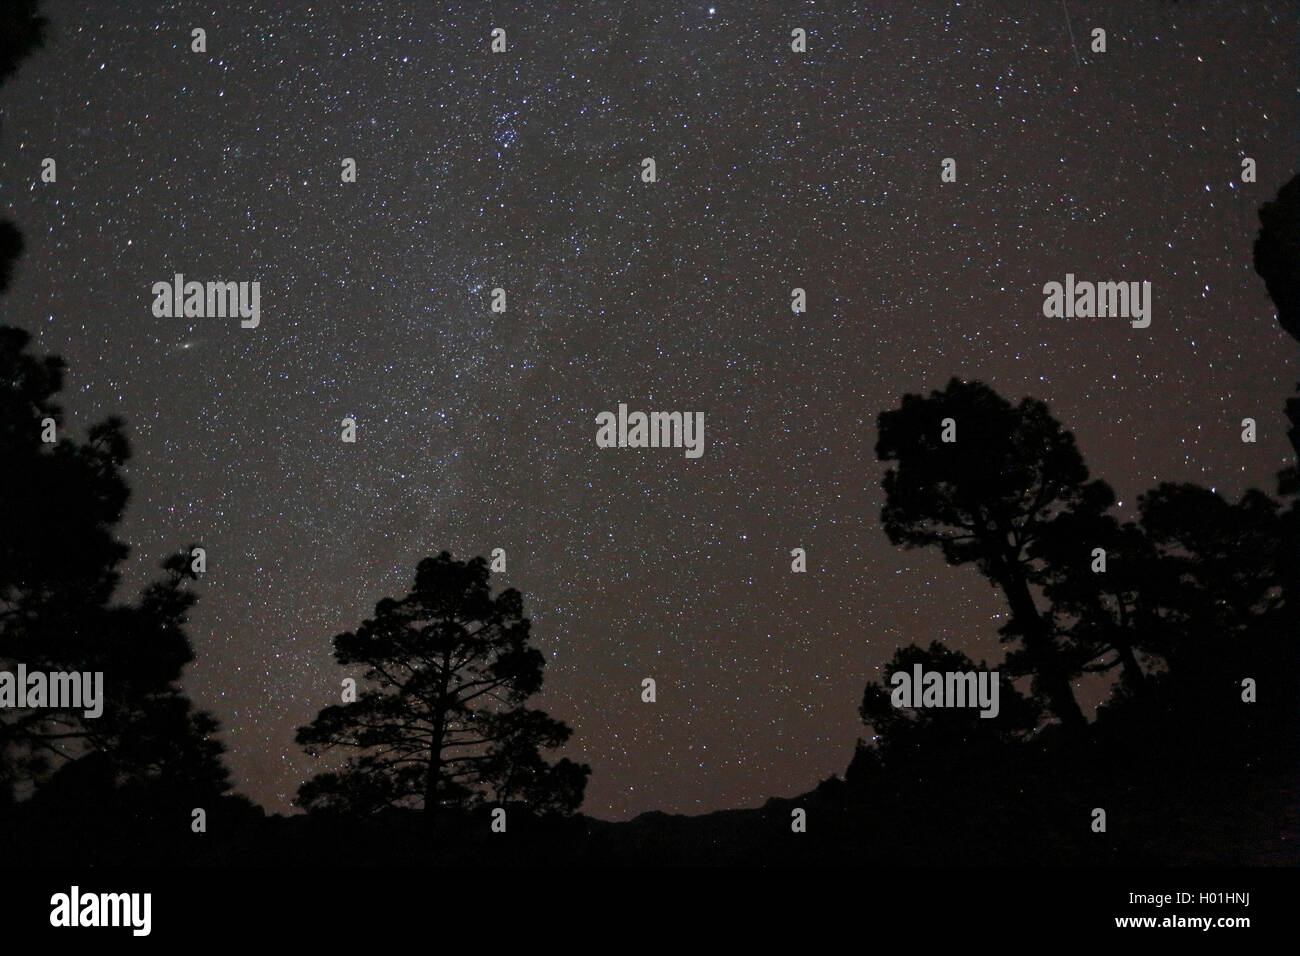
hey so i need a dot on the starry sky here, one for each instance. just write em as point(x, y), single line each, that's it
point(477, 430)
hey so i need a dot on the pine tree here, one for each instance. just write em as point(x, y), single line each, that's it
point(444, 724)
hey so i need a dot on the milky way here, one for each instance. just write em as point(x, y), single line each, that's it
point(476, 430)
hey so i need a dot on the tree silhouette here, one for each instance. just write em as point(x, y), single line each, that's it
point(1277, 254)
point(989, 497)
point(445, 726)
point(1106, 618)
point(1277, 260)
point(1228, 597)
point(58, 572)
point(21, 32)
point(157, 740)
point(1212, 594)
point(940, 736)
point(1224, 562)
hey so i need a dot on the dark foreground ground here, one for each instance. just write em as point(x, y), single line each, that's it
point(1041, 816)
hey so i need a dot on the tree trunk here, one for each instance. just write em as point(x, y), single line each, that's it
point(433, 782)
point(1052, 679)
point(1133, 676)
point(431, 788)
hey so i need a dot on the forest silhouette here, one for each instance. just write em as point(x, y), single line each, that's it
point(1192, 756)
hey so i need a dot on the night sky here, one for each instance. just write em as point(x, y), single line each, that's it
point(477, 430)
